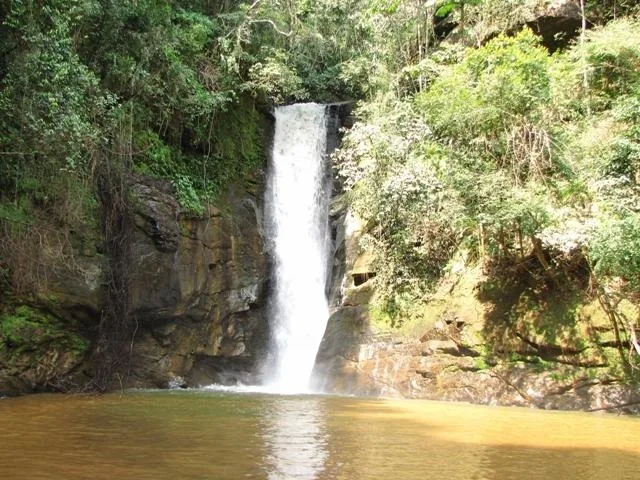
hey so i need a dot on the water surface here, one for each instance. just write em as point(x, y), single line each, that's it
point(211, 435)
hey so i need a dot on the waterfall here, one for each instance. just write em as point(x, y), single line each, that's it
point(297, 203)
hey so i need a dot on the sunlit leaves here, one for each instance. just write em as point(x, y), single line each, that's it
point(615, 251)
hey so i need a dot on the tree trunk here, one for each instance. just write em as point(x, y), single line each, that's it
point(585, 66)
point(539, 252)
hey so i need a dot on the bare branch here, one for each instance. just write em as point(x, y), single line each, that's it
point(633, 337)
point(272, 23)
point(254, 5)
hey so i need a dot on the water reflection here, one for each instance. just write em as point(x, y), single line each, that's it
point(213, 436)
point(295, 438)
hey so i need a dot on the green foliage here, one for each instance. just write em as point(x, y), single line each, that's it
point(510, 73)
point(276, 79)
point(187, 195)
point(416, 222)
point(163, 59)
point(494, 85)
point(513, 159)
point(615, 249)
point(29, 330)
point(606, 10)
point(493, 108)
point(15, 214)
point(612, 54)
point(142, 84)
point(447, 6)
point(528, 208)
point(49, 100)
point(201, 177)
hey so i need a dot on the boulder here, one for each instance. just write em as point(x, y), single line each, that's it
point(557, 22)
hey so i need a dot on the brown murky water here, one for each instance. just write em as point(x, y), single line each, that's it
point(205, 435)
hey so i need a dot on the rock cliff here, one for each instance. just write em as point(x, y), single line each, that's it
point(472, 345)
point(198, 287)
point(196, 294)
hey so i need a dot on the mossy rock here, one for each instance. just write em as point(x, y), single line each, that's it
point(27, 329)
point(36, 349)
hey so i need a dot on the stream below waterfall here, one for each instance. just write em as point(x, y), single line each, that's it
point(211, 435)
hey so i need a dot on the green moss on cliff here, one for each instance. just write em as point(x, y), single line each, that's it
point(26, 330)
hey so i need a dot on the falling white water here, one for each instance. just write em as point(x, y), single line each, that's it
point(297, 200)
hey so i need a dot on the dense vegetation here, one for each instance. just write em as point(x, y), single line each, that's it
point(93, 93)
point(171, 86)
point(505, 155)
point(472, 139)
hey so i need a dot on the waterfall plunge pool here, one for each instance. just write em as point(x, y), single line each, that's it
point(213, 435)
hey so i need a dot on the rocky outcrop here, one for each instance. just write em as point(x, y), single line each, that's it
point(197, 288)
point(464, 352)
point(557, 22)
point(438, 368)
point(37, 351)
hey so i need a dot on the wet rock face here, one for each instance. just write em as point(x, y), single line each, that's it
point(197, 291)
point(198, 287)
point(338, 362)
point(189, 267)
point(156, 213)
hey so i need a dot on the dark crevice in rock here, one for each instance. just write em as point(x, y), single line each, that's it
point(549, 350)
point(461, 351)
point(221, 370)
point(362, 278)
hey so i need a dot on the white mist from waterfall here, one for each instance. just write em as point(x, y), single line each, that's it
point(297, 199)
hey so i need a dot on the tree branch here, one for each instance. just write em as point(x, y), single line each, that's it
point(275, 27)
